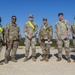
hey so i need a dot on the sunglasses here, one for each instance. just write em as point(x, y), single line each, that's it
point(13, 18)
point(30, 17)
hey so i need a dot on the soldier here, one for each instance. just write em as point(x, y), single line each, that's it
point(1, 38)
point(12, 36)
point(73, 35)
point(30, 30)
point(62, 33)
point(45, 36)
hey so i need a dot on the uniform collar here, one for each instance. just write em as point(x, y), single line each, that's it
point(46, 24)
point(14, 24)
point(61, 21)
point(31, 21)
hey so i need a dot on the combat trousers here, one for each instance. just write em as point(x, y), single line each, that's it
point(66, 45)
point(0, 47)
point(45, 48)
point(31, 42)
point(13, 45)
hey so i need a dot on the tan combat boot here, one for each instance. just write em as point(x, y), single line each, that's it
point(43, 58)
point(68, 60)
point(59, 59)
point(13, 60)
point(47, 58)
point(1, 63)
point(26, 58)
point(33, 58)
point(6, 60)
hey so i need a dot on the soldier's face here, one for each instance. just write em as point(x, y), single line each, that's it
point(61, 17)
point(31, 19)
point(14, 19)
point(44, 21)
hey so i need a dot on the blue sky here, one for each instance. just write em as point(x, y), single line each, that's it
point(39, 8)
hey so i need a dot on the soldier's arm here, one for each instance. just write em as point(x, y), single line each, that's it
point(55, 31)
point(19, 33)
point(69, 28)
point(6, 38)
point(39, 36)
point(72, 31)
point(50, 32)
point(36, 30)
point(7, 31)
point(25, 30)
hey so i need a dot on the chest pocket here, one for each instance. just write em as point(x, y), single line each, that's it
point(46, 29)
point(16, 29)
point(28, 27)
point(13, 29)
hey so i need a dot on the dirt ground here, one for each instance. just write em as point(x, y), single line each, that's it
point(39, 67)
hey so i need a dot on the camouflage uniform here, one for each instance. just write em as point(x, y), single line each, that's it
point(13, 34)
point(62, 29)
point(45, 34)
point(1, 39)
point(29, 31)
point(73, 35)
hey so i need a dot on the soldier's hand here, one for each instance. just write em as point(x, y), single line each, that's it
point(67, 37)
point(49, 40)
point(56, 39)
point(74, 36)
point(50, 37)
point(8, 40)
point(30, 37)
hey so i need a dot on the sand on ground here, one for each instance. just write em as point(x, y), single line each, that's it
point(37, 68)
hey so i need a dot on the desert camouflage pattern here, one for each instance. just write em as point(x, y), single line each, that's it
point(45, 34)
point(62, 30)
point(73, 34)
point(29, 31)
point(13, 34)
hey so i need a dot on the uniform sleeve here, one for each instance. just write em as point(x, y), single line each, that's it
point(68, 28)
point(39, 36)
point(55, 31)
point(19, 33)
point(7, 31)
point(72, 31)
point(50, 32)
point(35, 31)
point(25, 30)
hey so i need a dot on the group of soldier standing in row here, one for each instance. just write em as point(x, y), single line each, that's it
point(11, 36)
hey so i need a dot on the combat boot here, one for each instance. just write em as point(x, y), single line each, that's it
point(33, 58)
point(43, 58)
point(13, 60)
point(46, 59)
point(68, 60)
point(6, 60)
point(1, 63)
point(59, 59)
point(26, 58)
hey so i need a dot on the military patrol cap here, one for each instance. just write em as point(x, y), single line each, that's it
point(30, 16)
point(44, 19)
